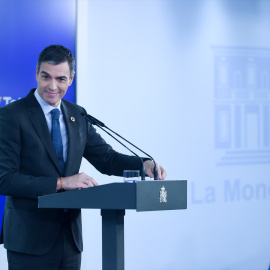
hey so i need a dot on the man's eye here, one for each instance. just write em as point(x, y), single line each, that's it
point(45, 77)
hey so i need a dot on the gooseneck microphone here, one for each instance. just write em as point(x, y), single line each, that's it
point(96, 122)
point(101, 125)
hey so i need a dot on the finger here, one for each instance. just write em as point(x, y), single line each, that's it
point(149, 168)
point(86, 180)
point(95, 183)
point(84, 185)
point(150, 173)
point(90, 184)
point(159, 172)
point(163, 174)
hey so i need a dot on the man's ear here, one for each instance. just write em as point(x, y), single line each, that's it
point(71, 78)
point(36, 73)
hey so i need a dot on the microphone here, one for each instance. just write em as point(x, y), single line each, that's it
point(93, 120)
point(98, 123)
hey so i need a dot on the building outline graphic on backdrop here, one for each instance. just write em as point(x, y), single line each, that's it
point(241, 106)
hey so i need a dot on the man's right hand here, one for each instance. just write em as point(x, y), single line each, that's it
point(76, 181)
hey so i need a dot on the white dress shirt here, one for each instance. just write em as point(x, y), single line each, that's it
point(47, 112)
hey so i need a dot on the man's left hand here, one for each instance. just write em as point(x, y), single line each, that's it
point(149, 170)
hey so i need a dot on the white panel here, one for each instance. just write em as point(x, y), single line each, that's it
point(149, 74)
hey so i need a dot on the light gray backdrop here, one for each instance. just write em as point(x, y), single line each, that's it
point(188, 81)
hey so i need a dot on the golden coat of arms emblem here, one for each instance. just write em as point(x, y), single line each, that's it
point(163, 195)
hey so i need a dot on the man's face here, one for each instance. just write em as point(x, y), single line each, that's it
point(53, 81)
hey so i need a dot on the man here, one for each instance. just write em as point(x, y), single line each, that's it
point(42, 141)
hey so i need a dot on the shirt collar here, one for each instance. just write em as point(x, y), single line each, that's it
point(44, 105)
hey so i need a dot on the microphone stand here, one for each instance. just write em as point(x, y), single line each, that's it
point(92, 122)
point(95, 121)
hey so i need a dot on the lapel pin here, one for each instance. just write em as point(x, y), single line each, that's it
point(72, 119)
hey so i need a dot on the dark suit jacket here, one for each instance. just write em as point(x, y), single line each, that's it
point(29, 168)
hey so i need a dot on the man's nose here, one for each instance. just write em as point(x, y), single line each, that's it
point(52, 85)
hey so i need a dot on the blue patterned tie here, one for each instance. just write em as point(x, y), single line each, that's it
point(56, 137)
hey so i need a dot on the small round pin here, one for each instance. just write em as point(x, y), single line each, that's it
point(72, 119)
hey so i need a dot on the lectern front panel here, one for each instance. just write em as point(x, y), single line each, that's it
point(161, 195)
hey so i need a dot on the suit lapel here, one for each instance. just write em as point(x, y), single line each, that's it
point(72, 131)
point(39, 123)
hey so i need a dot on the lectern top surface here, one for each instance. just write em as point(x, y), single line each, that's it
point(142, 196)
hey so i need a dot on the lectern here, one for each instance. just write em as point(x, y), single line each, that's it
point(113, 199)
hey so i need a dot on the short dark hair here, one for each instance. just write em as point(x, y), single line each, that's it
point(57, 54)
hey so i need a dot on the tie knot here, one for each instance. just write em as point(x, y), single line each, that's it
point(55, 114)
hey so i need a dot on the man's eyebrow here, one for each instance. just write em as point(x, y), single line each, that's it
point(59, 77)
point(62, 77)
point(44, 72)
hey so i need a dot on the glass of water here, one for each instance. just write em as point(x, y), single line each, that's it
point(131, 176)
